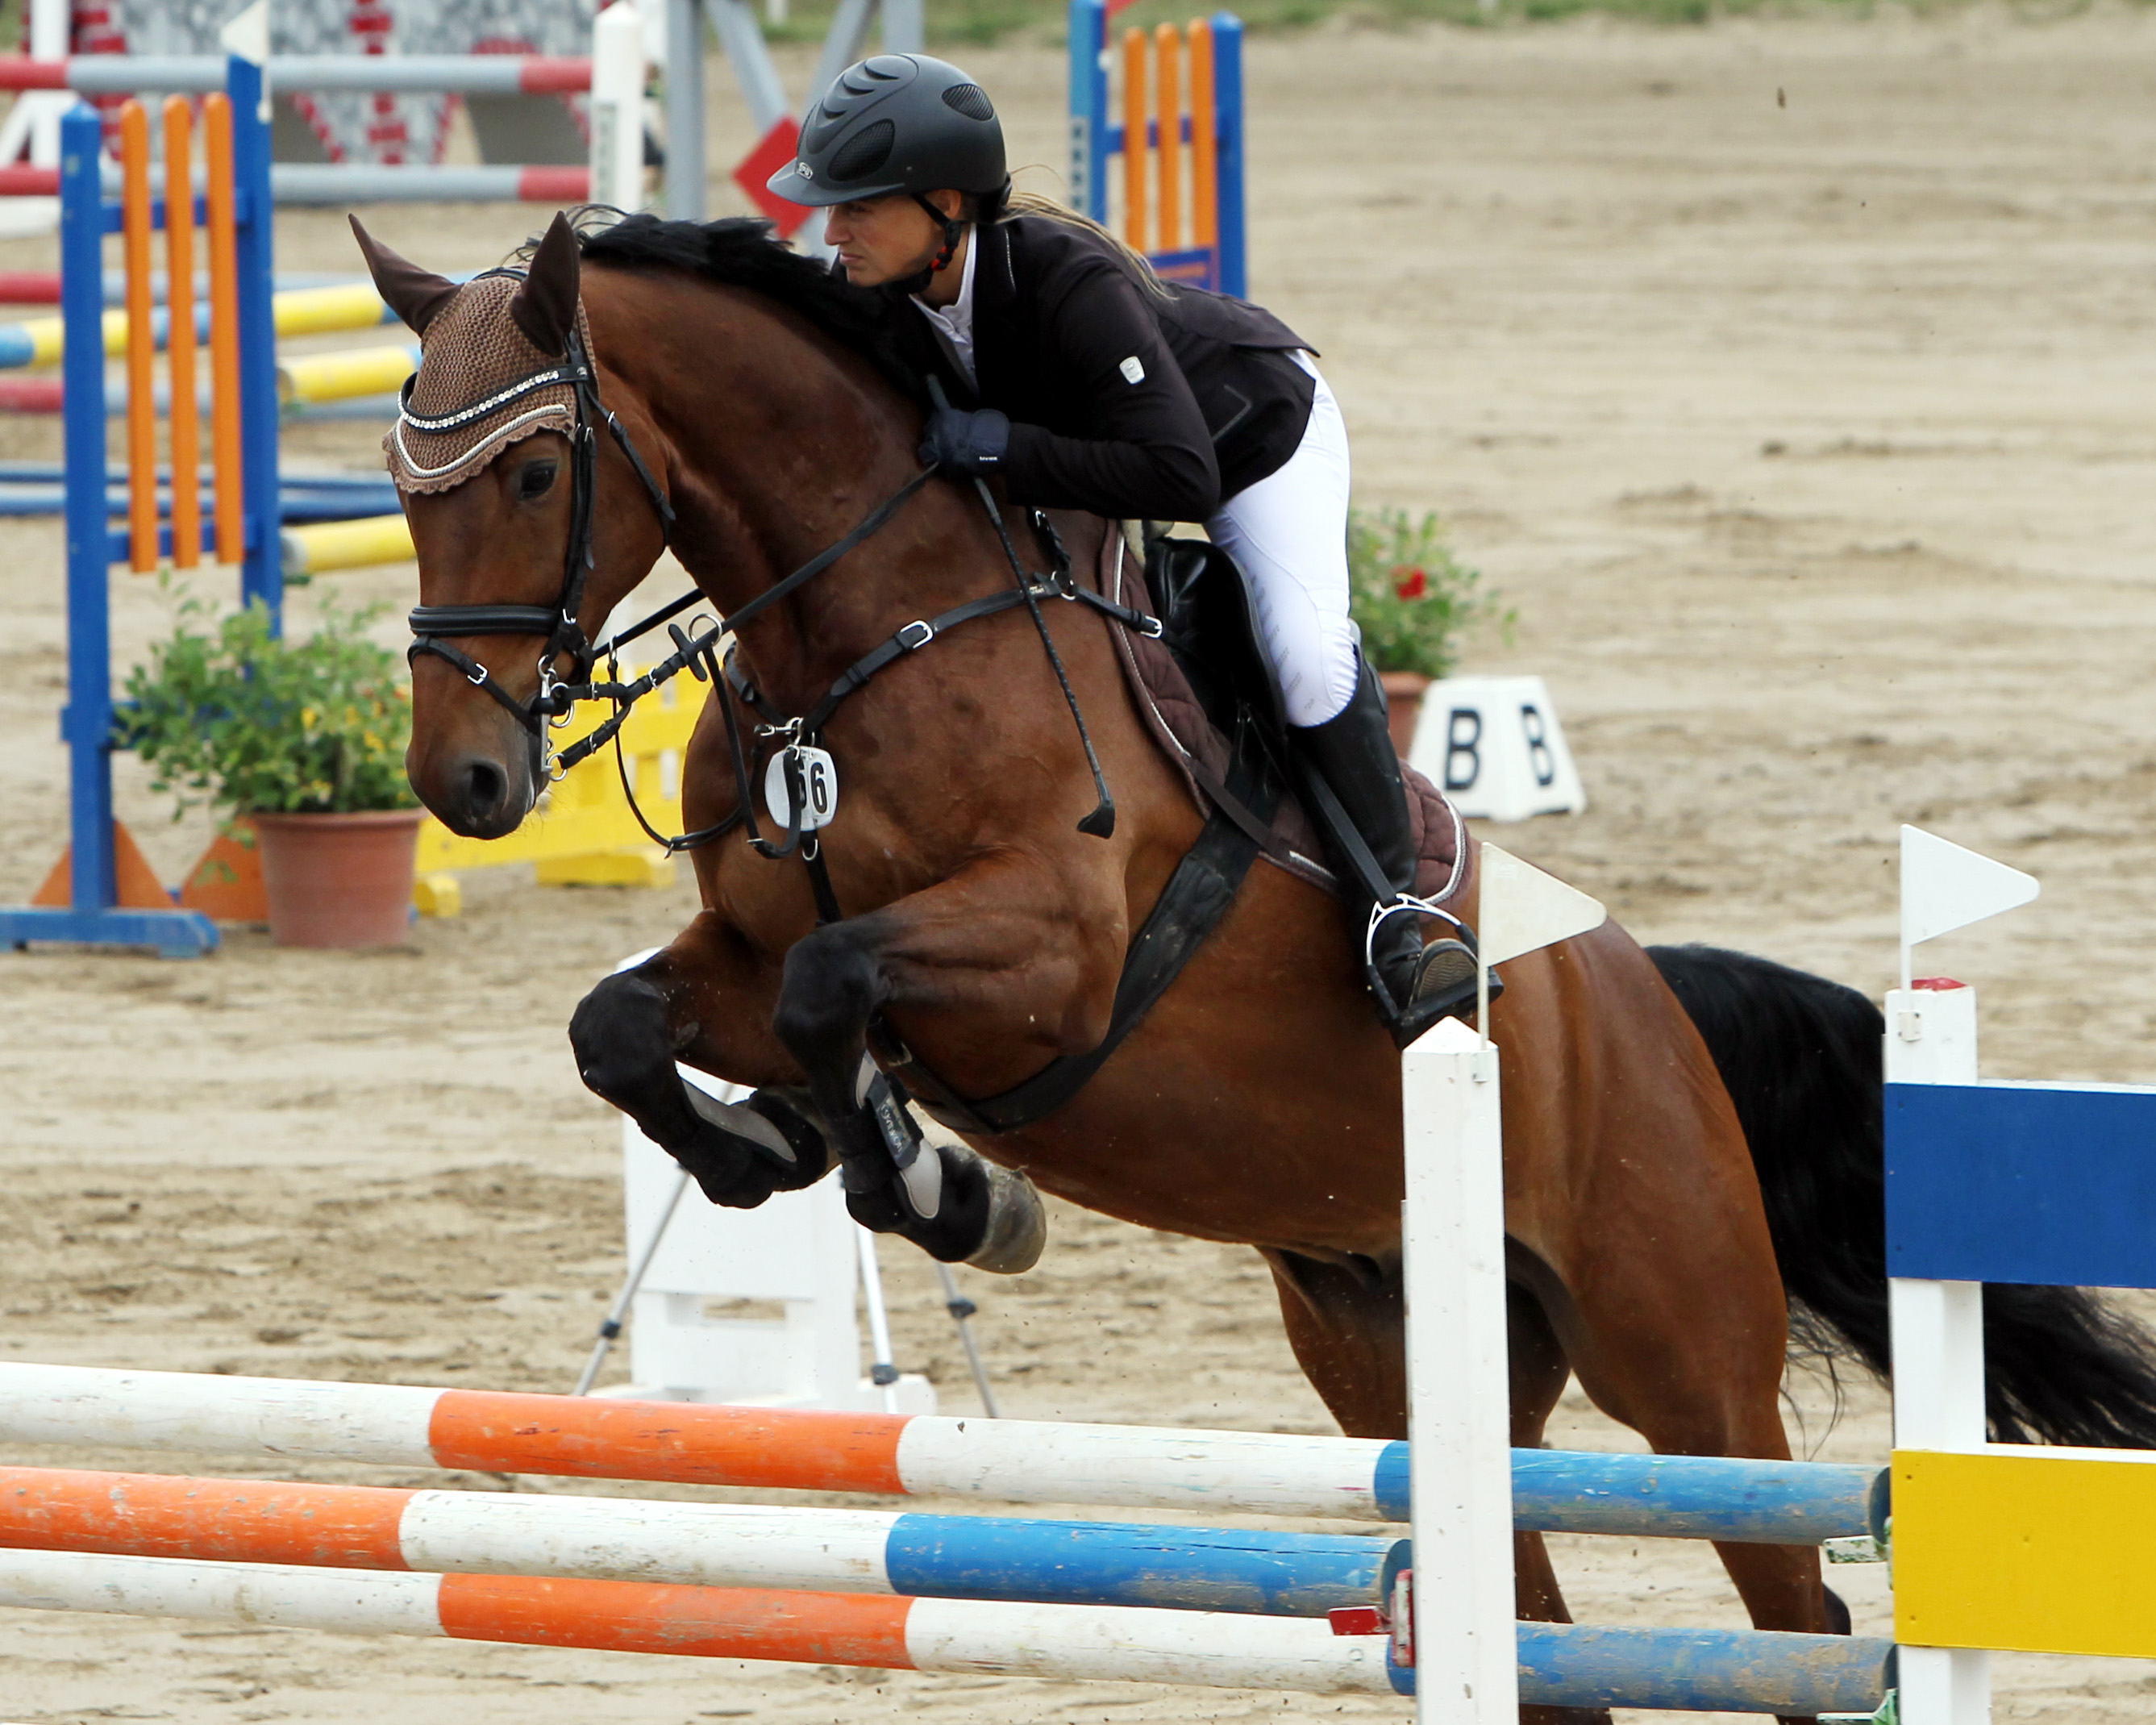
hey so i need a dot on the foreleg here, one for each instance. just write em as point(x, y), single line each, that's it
point(991, 959)
point(705, 1000)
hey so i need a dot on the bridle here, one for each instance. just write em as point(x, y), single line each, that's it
point(434, 626)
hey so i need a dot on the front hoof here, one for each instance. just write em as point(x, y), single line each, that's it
point(1018, 1225)
point(982, 1214)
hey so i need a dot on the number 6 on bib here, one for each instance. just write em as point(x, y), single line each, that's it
point(816, 774)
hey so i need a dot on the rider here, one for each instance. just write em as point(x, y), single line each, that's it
point(1097, 386)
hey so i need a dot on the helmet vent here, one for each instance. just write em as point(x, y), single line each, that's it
point(865, 152)
point(971, 100)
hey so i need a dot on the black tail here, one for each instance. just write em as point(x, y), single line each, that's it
point(1801, 1058)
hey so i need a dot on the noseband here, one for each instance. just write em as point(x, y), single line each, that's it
point(435, 626)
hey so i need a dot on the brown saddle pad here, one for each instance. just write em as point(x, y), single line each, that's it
point(1184, 734)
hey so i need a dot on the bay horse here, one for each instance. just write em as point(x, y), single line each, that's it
point(1692, 1139)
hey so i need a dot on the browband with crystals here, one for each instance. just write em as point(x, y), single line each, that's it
point(572, 373)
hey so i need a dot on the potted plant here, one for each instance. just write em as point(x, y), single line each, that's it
point(303, 741)
point(1413, 601)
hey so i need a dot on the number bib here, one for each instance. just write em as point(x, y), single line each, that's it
point(819, 780)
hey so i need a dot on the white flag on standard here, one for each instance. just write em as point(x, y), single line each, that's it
point(1945, 887)
point(1522, 908)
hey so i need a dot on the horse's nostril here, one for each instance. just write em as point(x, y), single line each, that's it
point(486, 789)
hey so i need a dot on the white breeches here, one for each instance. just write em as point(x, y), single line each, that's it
point(1289, 533)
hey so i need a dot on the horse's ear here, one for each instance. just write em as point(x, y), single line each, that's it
point(415, 295)
point(545, 307)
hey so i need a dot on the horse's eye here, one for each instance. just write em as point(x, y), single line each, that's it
point(536, 480)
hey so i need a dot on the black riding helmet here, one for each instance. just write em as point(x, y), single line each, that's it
point(897, 122)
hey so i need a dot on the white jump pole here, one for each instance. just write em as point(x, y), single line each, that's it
point(1464, 1644)
point(1938, 1327)
point(617, 107)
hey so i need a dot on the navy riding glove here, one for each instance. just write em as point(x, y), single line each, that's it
point(960, 442)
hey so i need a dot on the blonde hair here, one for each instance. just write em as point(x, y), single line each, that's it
point(1135, 262)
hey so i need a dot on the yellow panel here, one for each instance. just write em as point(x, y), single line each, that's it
point(2038, 1552)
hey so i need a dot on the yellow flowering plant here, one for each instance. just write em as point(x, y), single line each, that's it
point(228, 713)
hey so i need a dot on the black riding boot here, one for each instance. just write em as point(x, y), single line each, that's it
point(1352, 786)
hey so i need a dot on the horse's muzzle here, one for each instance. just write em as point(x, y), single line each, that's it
point(479, 795)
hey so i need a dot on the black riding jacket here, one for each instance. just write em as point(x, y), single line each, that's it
point(1121, 402)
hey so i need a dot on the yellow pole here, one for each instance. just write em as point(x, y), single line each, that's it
point(343, 376)
point(315, 549)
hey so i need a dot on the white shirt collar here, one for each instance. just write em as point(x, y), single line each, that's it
point(954, 323)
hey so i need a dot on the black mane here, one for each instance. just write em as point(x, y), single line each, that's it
point(740, 251)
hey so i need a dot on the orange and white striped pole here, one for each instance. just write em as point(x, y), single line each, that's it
point(998, 1638)
point(731, 1545)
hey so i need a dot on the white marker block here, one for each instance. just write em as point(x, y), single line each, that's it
point(746, 1306)
point(1494, 746)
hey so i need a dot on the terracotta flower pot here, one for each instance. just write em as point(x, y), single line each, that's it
point(339, 880)
point(1404, 693)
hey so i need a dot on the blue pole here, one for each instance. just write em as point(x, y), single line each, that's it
point(86, 720)
point(1127, 1564)
point(1228, 106)
point(93, 913)
point(1703, 1671)
point(1089, 108)
point(1686, 1670)
point(263, 575)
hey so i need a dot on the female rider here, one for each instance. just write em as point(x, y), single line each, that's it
point(1094, 386)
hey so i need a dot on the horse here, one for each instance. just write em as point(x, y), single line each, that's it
point(1691, 1137)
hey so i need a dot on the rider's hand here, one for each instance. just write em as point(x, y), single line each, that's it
point(960, 442)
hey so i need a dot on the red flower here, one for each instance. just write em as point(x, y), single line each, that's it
point(1410, 583)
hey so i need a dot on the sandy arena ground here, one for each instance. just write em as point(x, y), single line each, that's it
point(1813, 443)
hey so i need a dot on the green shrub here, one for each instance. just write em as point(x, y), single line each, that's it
point(1411, 598)
point(226, 713)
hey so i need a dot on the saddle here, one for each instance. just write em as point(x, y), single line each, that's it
point(1207, 697)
